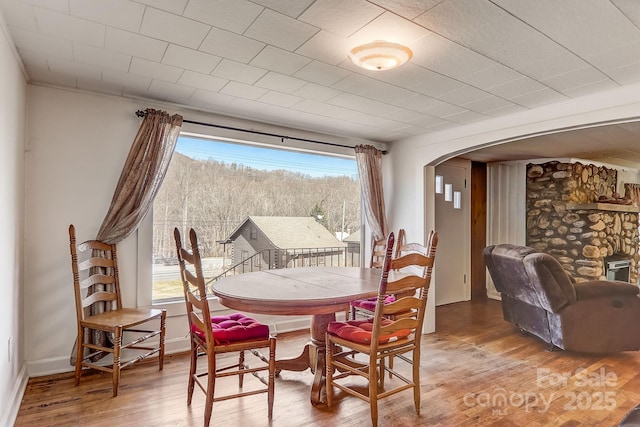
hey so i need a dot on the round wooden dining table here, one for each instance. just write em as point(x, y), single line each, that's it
point(317, 291)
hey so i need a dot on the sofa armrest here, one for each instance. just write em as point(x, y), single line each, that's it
point(604, 288)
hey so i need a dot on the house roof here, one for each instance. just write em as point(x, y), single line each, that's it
point(292, 232)
point(353, 237)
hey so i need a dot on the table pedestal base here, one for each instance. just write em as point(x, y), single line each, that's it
point(313, 356)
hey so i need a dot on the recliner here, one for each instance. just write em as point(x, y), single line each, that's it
point(598, 316)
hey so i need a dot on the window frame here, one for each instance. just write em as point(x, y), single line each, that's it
point(144, 291)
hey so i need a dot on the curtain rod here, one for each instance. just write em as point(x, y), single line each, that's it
point(141, 113)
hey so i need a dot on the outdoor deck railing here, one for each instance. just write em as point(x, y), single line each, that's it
point(269, 259)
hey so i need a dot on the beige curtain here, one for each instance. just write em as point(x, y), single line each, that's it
point(369, 161)
point(142, 175)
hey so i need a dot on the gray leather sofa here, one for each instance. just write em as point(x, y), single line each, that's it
point(539, 297)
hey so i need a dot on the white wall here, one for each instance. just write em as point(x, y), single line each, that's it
point(12, 136)
point(413, 159)
point(77, 144)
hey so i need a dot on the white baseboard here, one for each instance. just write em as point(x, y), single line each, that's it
point(57, 365)
point(494, 295)
point(13, 406)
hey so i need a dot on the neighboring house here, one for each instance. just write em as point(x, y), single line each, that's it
point(263, 242)
point(353, 242)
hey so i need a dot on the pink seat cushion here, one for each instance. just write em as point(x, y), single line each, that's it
point(360, 331)
point(234, 327)
point(370, 303)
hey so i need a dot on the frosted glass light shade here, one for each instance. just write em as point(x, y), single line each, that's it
point(380, 55)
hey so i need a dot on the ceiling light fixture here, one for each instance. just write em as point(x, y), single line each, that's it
point(380, 55)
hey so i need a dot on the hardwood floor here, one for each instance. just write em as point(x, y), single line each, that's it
point(476, 370)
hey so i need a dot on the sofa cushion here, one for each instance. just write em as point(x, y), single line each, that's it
point(234, 327)
point(605, 288)
point(549, 281)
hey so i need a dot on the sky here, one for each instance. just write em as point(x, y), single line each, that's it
point(262, 158)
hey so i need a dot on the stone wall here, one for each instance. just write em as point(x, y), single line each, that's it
point(565, 220)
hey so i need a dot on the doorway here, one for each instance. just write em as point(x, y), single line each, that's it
point(452, 221)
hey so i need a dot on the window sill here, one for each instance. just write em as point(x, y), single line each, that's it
point(177, 307)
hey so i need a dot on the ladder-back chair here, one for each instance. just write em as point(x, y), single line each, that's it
point(101, 320)
point(380, 337)
point(212, 336)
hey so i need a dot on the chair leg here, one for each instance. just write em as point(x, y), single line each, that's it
point(117, 345)
point(163, 318)
point(192, 371)
point(415, 363)
point(329, 373)
point(211, 387)
point(373, 389)
point(79, 354)
point(241, 367)
point(272, 374)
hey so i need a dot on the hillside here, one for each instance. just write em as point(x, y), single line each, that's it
point(214, 197)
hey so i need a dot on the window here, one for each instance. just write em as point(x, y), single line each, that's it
point(216, 186)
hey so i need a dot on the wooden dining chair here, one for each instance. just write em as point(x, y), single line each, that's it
point(101, 320)
point(381, 337)
point(378, 250)
point(211, 336)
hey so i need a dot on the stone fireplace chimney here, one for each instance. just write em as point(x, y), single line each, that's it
point(574, 215)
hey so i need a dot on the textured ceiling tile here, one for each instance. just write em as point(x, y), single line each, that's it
point(35, 42)
point(55, 5)
point(340, 17)
point(135, 44)
point(65, 66)
point(127, 80)
point(170, 92)
point(320, 73)
point(280, 82)
point(489, 103)
point(388, 27)
point(278, 98)
point(584, 27)
point(142, 67)
point(190, 59)
point(494, 75)
point(279, 60)
point(616, 56)
point(173, 6)
point(69, 27)
point(463, 95)
point(33, 59)
point(421, 80)
point(92, 55)
point(515, 88)
point(365, 105)
point(45, 75)
point(19, 15)
point(316, 92)
point(238, 72)
point(230, 45)
point(172, 28)
point(121, 14)
point(408, 9)
point(371, 88)
point(628, 74)
point(203, 81)
point(326, 47)
point(292, 8)
point(280, 30)
point(574, 79)
point(541, 97)
point(230, 15)
point(99, 86)
point(243, 91)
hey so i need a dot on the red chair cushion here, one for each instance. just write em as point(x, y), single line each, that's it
point(360, 331)
point(234, 327)
point(370, 303)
